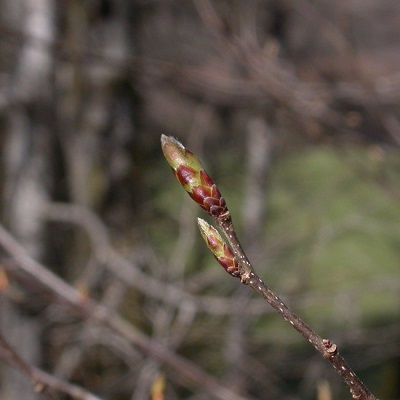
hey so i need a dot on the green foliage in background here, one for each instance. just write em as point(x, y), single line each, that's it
point(337, 216)
point(332, 231)
point(330, 247)
point(332, 226)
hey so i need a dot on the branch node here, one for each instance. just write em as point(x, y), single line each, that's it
point(330, 348)
point(246, 277)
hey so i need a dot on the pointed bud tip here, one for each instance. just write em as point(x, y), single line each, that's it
point(165, 140)
point(202, 223)
point(204, 227)
point(174, 151)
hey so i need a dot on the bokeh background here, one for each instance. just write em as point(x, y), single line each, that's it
point(294, 109)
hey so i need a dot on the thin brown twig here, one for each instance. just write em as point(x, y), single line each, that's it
point(328, 349)
point(202, 189)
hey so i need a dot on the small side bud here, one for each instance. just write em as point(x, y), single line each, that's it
point(192, 176)
point(219, 248)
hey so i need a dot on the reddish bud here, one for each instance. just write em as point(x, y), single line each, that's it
point(205, 179)
point(219, 248)
point(187, 177)
point(192, 176)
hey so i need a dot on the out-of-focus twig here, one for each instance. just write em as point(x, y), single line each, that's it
point(41, 380)
point(92, 311)
point(130, 273)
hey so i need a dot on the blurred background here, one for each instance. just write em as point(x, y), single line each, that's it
point(294, 109)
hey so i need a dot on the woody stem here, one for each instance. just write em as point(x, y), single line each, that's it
point(327, 349)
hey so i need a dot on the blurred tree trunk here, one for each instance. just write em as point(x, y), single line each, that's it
point(27, 172)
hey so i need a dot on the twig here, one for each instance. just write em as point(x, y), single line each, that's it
point(202, 189)
point(41, 380)
point(327, 348)
point(92, 311)
point(128, 272)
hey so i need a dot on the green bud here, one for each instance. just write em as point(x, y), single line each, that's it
point(221, 251)
point(192, 176)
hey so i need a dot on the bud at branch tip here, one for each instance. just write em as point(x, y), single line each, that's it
point(192, 176)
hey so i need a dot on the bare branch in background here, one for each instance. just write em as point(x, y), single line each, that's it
point(92, 311)
point(42, 381)
point(128, 271)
